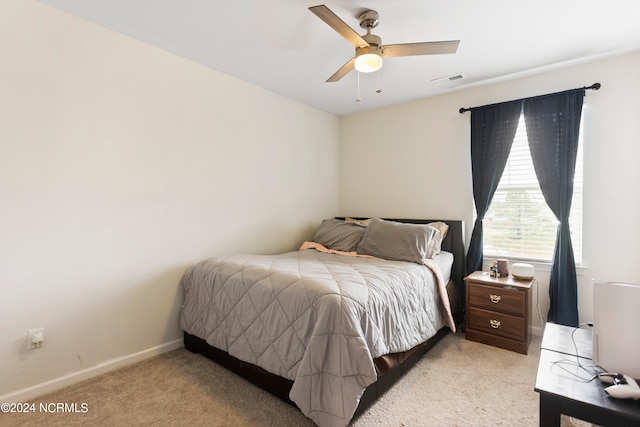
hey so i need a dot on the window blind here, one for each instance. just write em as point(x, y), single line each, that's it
point(519, 224)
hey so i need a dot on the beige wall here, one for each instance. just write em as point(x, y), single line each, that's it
point(414, 160)
point(121, 165)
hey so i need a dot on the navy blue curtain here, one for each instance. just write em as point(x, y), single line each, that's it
point(553, 126)
point(493, 128)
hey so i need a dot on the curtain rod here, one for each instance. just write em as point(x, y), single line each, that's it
point(594, 86)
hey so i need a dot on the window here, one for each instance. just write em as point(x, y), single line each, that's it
point(519, 224)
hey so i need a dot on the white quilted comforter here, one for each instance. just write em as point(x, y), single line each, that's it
point(318, 319)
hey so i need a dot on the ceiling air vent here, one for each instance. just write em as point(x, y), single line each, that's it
point(448, 79)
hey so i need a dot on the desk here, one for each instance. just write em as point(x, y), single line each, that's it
point(561, 392)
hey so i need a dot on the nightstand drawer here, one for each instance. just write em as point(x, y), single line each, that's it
point(495, 323)
point(497, 299)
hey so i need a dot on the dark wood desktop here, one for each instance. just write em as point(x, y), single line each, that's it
point(572, 391)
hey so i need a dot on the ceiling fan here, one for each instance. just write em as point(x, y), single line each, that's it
point(369, 48)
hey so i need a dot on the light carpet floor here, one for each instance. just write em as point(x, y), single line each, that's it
point(458, 383)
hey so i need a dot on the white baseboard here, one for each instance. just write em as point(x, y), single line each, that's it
point(35, 391)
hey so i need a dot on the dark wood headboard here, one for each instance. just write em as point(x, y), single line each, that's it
point(453, 242)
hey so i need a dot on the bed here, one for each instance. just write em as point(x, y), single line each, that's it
point(332, 326)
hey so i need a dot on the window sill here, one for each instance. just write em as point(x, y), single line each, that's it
point(537, 265)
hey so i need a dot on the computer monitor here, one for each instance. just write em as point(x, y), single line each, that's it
point(616, 327)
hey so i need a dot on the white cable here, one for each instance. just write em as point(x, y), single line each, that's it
point(542, 320)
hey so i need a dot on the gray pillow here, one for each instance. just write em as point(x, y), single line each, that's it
point(398, 241)
point(339, 235)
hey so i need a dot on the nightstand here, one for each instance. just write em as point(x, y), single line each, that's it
point(498, 311)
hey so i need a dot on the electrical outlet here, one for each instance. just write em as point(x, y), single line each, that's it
point(35, 339)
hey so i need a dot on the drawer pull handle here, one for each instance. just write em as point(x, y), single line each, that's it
point(494, 298)
point(495, 324)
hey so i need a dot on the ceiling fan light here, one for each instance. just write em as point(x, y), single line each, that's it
point(368, 62)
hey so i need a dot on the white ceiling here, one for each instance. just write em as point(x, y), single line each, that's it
point(281, 46)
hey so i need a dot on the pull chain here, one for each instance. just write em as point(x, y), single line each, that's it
point(358, 99)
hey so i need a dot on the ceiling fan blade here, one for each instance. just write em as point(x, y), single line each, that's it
point(343, 71)
point(324, 13)
point(426, 48)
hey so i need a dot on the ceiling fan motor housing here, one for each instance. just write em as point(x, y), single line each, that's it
point(373, 40)
point(375, 46)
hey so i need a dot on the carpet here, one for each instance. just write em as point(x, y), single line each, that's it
point(458, 383)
